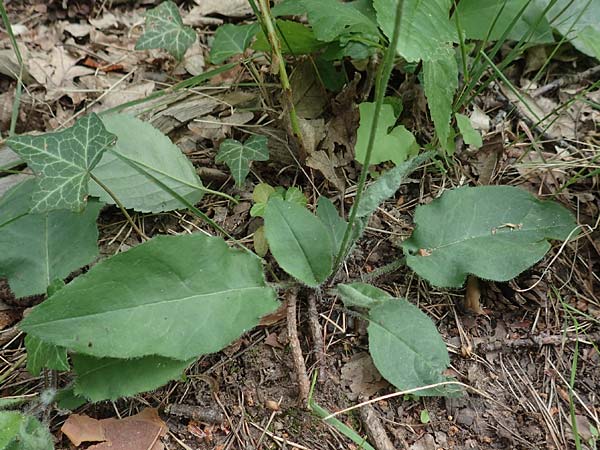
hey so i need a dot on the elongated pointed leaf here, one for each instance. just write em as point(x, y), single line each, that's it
point(336, 226)
point(37, 249)
point(165, 29)
point(153, 152)
point(63, 162)
point(231, 40)
point(493, 232)
point(440, 81)
point(387, 184)
point(299, 241)
point(176, 296)
point(362, 295)
point(424, 26)
point(110, 378)
point(238, 156)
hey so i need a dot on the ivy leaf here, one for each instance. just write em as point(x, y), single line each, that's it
point(231, 40)
point(470, 135)
point(238, 156)
point(111, 378)
point(440, 81)
point(165, 29)
point(173, 296)
point(63, 162)
point(395, 145)
point(493, 232)
point(299, 241)
point(40, 248)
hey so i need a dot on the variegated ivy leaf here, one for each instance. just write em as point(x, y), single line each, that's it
point(63, 162)
point(238, 156)
point(165, 29)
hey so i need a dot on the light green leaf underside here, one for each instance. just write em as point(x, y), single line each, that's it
point(299, 241)
point(335, 225)
point(238, 156)
point(176, 296)
point(395, 145)
point(63, 161)
point(477, 18)
point(406, 347)
point(387, 184)
point(362, 295)
point(42, 355)
point(440, 81)
point(40, 248)
point(493, 232)
point(110, 378)
point(470, 135)
point(165, 29)
point(23, 432)
point(572, 19)
point(231, 40)
point(424, 26)
point(153, 152)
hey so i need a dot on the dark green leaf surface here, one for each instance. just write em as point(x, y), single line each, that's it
point(175, 296)
point(153, 152)
point(165, 29)
point(40, 248)
point(336, 226)
point(424, 26)
point(238, 156)
point(295, 38)
point(42, 355)
point(63, 162)
point(110, 378)
point(493, 232)
point(299, 241)
point(231, 40)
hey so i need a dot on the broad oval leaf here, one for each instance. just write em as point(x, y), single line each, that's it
point(299, 241)
point(493, 232)
point(406, 347)
point(153, 152)
point(40, 248)
point(231, 40)
point(165, 29)
point(63, 161)
point(238, 156)
point(111, 378)
point(175, 296)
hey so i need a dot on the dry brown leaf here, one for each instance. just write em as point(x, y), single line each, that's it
point(140, 432)
point(320, 161)
point(473, 295)
point(361, 376)
point(229, 8)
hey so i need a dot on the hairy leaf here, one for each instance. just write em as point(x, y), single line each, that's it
point(424, 26)
point(173, 296)
point(150, 151)
point(440, 81)
point(111, 378)
point(493, 232)
point(231, 40)
point(395, 145)
point(63, 161)
point(23, 432)
point(470, 135)
point(165, 29)
point(387, 184)
point(362, 295)
point(238, 156)
point(299, 241)
point(40, 248)
point(42, 355)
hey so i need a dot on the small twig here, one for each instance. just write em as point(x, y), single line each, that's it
point(566, 80)
point(375, 430)
point(538, 341)
point(316, 332)
point(299, 365)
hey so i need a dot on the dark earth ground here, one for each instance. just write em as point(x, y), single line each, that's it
point(516, 354)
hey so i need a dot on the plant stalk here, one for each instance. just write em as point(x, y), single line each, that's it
point(380, 87)
point(265, 12)
point(13, 41)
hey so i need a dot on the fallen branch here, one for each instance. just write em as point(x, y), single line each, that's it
point(565, 81)
point(299, 365)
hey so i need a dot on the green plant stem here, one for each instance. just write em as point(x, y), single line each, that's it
point(380, 87)
point(19, 90)
point(391, 267)
point(120, 205)
point(283, 77)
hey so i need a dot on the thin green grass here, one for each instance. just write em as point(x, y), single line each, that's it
point(13, 41)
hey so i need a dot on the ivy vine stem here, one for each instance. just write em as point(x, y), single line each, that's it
point(267, 21)
point(383, 78)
